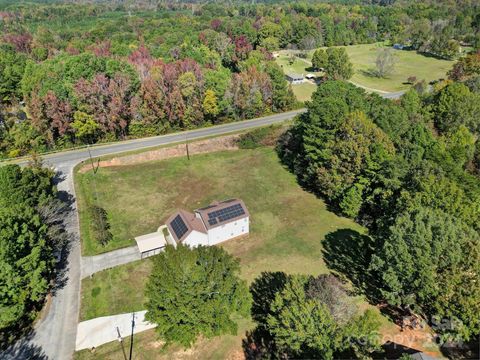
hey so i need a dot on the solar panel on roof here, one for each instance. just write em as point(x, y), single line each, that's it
point(225, 214)
point(178, 226)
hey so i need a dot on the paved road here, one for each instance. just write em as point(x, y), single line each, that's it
point(55, 334)
point(93, 264)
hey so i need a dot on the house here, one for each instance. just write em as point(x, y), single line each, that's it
point(398, 46)
point(295, 78)
point(211, 225)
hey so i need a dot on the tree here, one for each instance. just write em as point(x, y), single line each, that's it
point(460, 144)
point(385, 62)
point(210, 106)
point(300, 326)
point(282, 94)
point(466, 67)
point(331, 292)
point(85, 127)
point(358, 149)
point(12, 65)
point(338, 66)
point(307, 317)
point(193, 292)
point(429, 262)
point(455, 105)
point(319, 59)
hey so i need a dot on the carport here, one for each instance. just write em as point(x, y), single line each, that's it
point(151, 244)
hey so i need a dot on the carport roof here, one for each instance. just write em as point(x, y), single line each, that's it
point(150, 241)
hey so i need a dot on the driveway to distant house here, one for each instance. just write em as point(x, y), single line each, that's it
point(93, 264)
point(382, 93)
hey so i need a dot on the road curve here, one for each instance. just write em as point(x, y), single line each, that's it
point(55, 334)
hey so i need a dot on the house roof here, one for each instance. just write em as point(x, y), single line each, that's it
point(150, 241)
point(421, 356)
point(219, 213)
point(182, 223)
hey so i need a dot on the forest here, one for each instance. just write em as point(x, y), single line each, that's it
point(73, 74)
point(408, 171)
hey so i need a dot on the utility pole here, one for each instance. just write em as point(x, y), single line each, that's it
point(120, 340)
point(91, 160)
point(186, 145)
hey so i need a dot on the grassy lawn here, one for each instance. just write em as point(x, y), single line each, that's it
point(138, 198)
point(303, 92)
point(147, 347)
point(409, 63)
point(115, 291)
point(288, 225)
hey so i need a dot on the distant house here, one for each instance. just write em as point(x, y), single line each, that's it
point(295, 78)
point(398, 46)
point(218, 222)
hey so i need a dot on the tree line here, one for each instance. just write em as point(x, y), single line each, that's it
point(118, 71)
point(408, 171)
point(31, 236)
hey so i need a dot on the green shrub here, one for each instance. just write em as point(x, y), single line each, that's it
point(100, 224)
point(259, 137)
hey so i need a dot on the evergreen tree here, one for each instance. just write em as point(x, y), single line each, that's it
point(193, 292)
point(429, 263)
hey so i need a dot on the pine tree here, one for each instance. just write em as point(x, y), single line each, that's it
point(193, 292)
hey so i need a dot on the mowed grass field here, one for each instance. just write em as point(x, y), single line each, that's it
point(286, 230)
point(408, 63)
point(288, 225)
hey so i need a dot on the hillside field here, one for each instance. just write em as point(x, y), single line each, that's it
point(408, 63)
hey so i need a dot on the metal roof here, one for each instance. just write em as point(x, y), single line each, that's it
point(150, 241)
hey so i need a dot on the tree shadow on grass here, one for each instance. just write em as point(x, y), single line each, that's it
point(258, 343)
point(349, 253)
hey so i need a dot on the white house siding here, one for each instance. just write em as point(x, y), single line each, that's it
point(196, 238)
point(228, 231)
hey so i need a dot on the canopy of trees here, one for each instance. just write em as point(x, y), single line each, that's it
point(408, 171)
point(193, 292)
point(30, 231)
point(306, 317)
point(162, 66)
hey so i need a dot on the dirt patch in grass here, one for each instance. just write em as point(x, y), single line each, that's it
point(196, 147)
